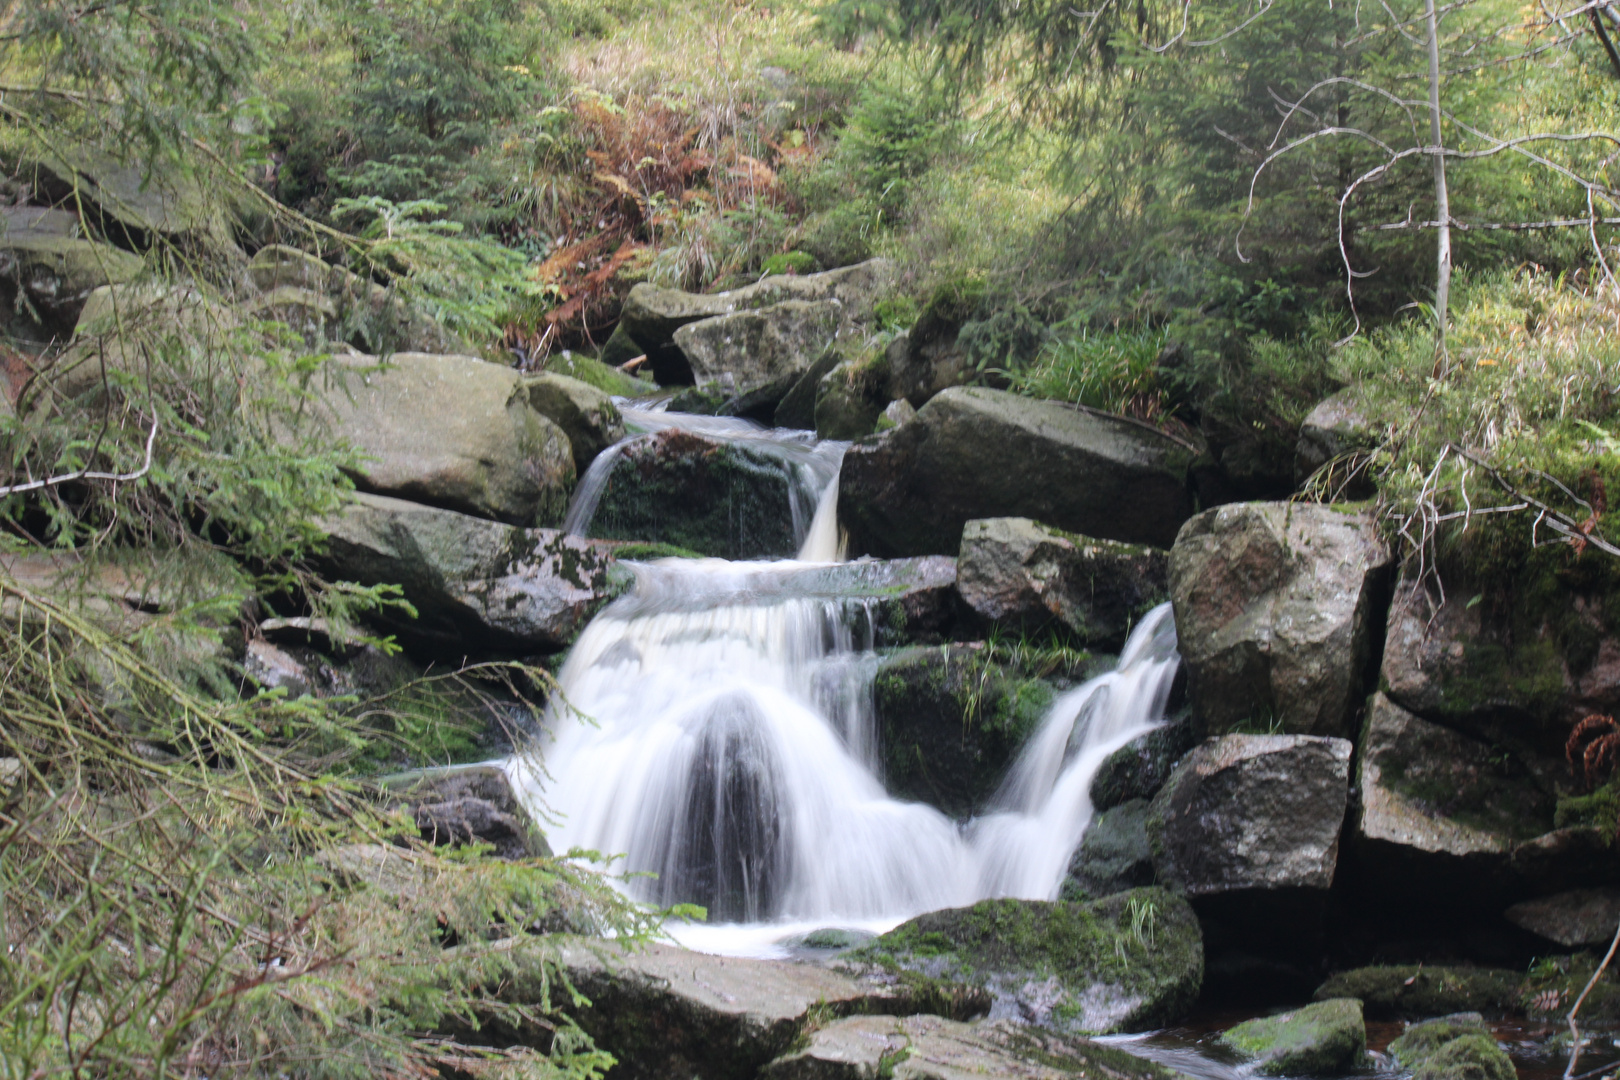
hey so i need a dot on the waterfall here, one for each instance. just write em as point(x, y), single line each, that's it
point(715, 727)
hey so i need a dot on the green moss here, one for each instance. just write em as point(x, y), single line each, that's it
point(1411, 992)
point(1456, 1047)
point(588, 370)
point(1553, 983)
point(789, 262)
point(1143, 944)
point(648, 552)
point(1327, 1037)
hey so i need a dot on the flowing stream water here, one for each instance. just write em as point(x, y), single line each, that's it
point(715, 727)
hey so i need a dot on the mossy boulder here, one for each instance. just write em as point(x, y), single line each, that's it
point(134, 202)
point(843, 408)
point(1278, 607)
point(950, 721)
point(975, 453)
point(1327, 1037)
point(1340, 424)
point(1139, 769)
point(1458, 1047)
point(606, 378)
point(1127, 962)
point(1114, 854)
point(1441, 810)
point(1410, 992)
point(728, 500)
point(1023, 577)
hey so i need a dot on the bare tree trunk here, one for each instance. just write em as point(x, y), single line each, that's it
point(1442, 281)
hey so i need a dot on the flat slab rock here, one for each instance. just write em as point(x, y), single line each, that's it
point(664, 1011)
point(933, 1048)
point(1574, 919)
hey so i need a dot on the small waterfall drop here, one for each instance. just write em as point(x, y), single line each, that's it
point(715, 727)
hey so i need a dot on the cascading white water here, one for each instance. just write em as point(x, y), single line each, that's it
point(719, 733)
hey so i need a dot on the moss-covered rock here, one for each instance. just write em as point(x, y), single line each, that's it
point(47, 272)
point(1127, 962)
point(726, 500)
point(1114, 855)
point(747, 350)
point(586, 414)
point(797, 409)
point(1413, 992)
point(950, 721)
point(1327, 1037)
point(845, 409)
point(1458, 1047)
point(1139, 769)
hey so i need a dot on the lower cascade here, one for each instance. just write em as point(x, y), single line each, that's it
point(715, 727)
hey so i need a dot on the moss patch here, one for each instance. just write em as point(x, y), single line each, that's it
point(1458, 1047)
point(1404, 993)
point(1326, 1037)
point(1126, 962)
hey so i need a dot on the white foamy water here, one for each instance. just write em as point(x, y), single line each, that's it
point(719, 735)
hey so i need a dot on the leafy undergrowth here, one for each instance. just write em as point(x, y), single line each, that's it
point(187, 889)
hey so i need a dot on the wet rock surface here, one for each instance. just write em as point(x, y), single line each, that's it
point(1115, 854)
point(933, 1048)
point(1021, 576)
point(665, 1012)
point(472, 581)
point(1252, 813)
point(1324, 1038)
point(727, 500)
point(950, 721)
point(1139, 769)
point(1277, 612)
point(1126, 962)
point(977, 453)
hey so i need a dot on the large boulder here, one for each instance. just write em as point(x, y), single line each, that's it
point(586, 415)
point(933, 1048)
point(977, 453)
point(48, 270)
point(1458, 1047)
point(1277, 613)
point(1326, 1038)
point(663, 1011)
point(1127, 962)
point(950, 721)
point(797, 409)
point(731, 500)
point(1250, 814)
point(1022, 576)
point(651, 315)
point(471, 580)
point(843, 409)
point(764, 349)
point(1416, 991)
point(453, 432)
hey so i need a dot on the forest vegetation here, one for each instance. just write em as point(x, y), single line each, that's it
point(1207, 217)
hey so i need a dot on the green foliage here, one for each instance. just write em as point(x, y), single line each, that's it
point(1114, 371)
point(183, 888)
point(789, 262)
